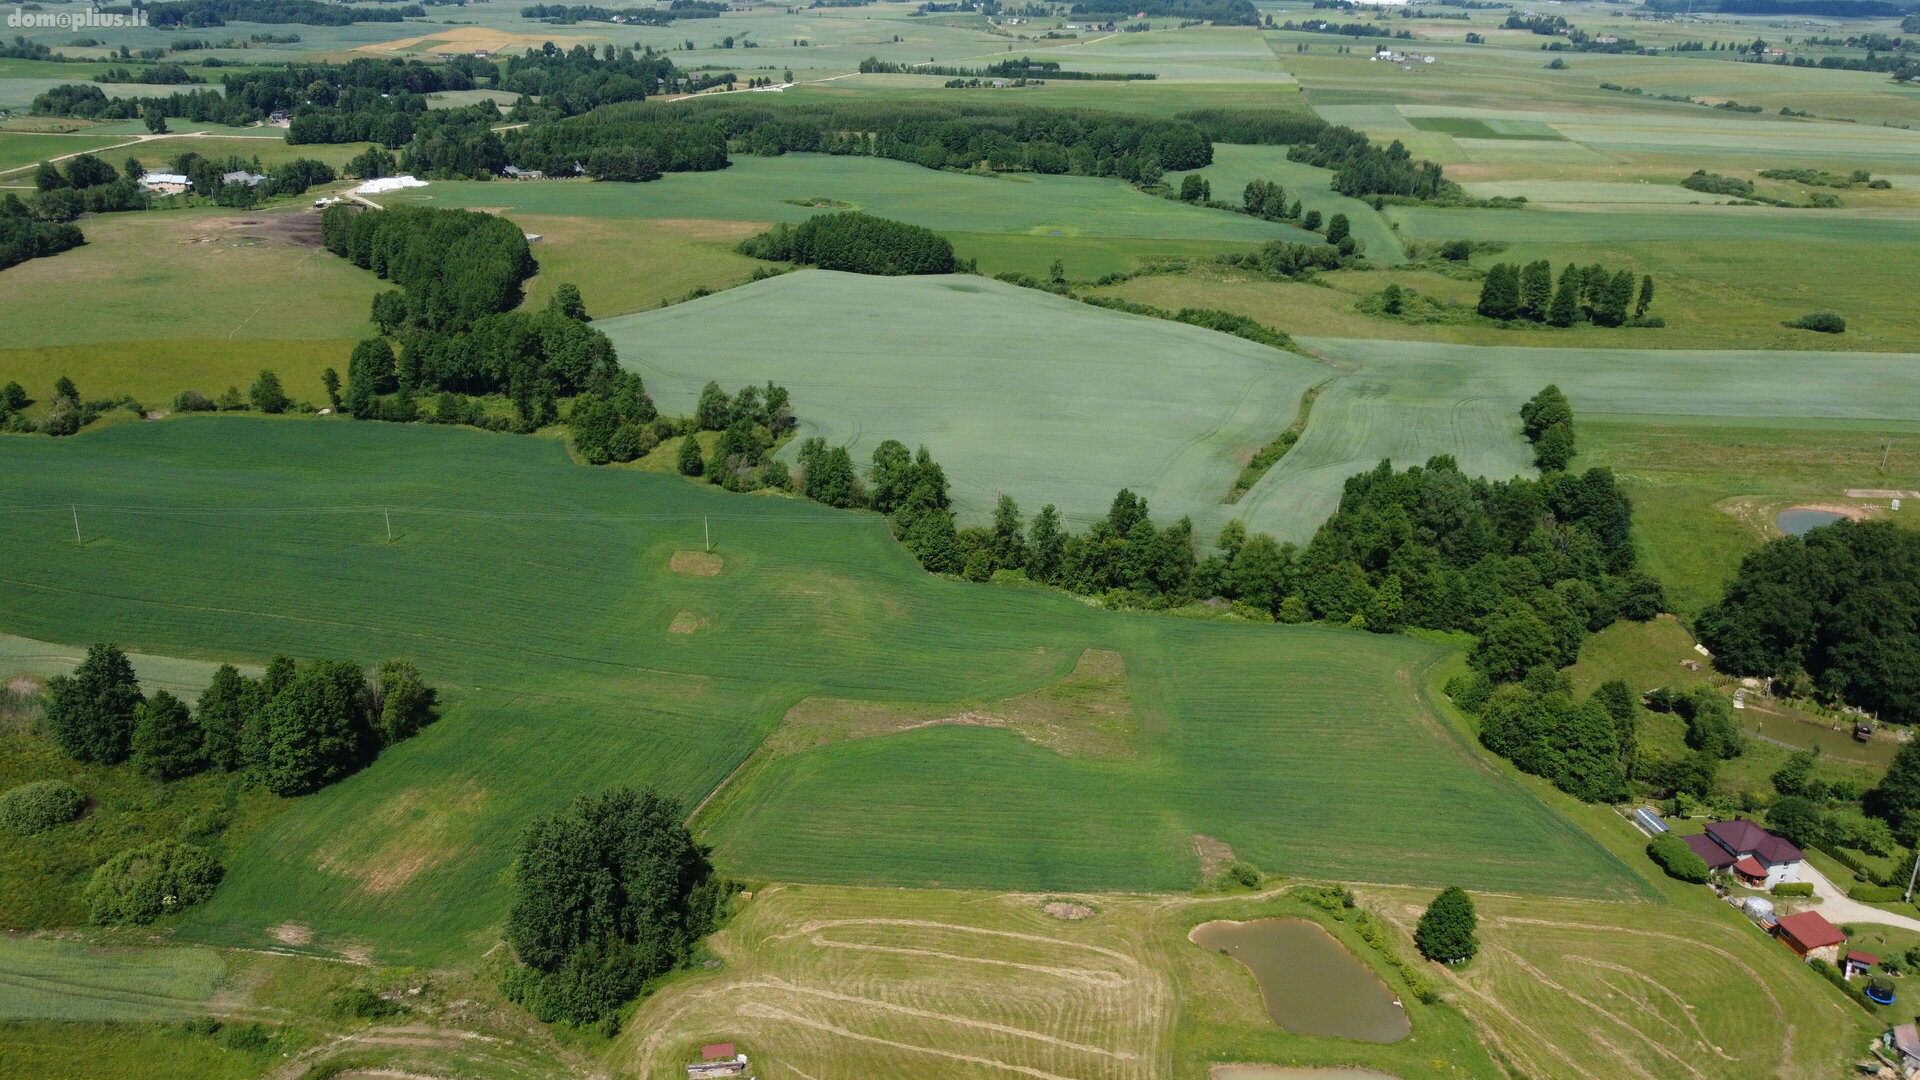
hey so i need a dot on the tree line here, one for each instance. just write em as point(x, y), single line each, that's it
point(453, 265)
point(856, 243)
point(1361, 168)
point(1023, 68)
point(959, 135)
point(203, 13)
point(1221, 12)
point(1528, 292)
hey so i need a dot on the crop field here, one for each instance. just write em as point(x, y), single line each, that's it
point(20, 150)
point(41, 659)
point(265, 536)
point(758, 189)
point(974, 369)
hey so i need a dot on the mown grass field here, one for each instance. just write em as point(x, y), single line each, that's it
point(19, 150)
point(536, 594)
point(954, 984)
point(1013, 390)
point(816, 979)
point(47, 979)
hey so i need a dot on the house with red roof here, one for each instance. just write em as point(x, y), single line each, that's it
point(1754, 855)
point(1810, 936)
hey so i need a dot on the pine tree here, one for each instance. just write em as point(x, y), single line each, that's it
point(1500, 293)
point(166, 741)
point(222, 715)
point(1446, 932)
point(91, 712)
point(1565, 307)
point(715, 411)
point(1009, 548)
point(1616, 296)
point(1536, 290)
point(689, 462)
point(1645, 301)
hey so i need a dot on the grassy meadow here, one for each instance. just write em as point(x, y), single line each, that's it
point(266, 536)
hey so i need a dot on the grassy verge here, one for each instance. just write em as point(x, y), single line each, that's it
point(1271, 453)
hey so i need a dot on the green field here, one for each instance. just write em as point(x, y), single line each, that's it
point(17, 151)
point(1234, 166)
point(756, 189)
point(284, 550)
point(46, 979)
point(1015, 391)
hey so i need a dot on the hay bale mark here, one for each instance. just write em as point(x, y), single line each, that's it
point(291, 933)
point(1089, 713)
point(685, 623)
point(696, 563)
point(1214, 855)
point(1063, 909)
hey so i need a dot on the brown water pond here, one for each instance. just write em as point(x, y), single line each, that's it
point(1311, 984)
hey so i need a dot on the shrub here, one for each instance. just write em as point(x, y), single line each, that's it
point(1824, 322)
point(39, 806)
point(1873, 894)
point(251, 1038)
point(1244, 873)
point(192, 401)
point(139, 885)
point(1793, 888)
point(359, 1003)
point(1677, 859)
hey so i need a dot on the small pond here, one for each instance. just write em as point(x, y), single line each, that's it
point(1796, 522)
point(1311, 984)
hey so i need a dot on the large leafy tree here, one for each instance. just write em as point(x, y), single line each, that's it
point(609, 893)
point(1841, 604)
point(1447, 931)
point(91, 712)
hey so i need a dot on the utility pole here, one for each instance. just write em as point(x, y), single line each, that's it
point(708, 530)
point(1916, 872)
point(1884, 451)
point(76, 526)
point(388, 514)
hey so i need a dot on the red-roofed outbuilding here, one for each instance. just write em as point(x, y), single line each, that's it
point(1811, 936)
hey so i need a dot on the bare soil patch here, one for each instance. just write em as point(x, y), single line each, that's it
point(1063, 909)
point(685, 623)
point(292, 934)
point(422, 828)
point(1214, 855)
point(1089, 713)
point(299, 229)
point(696, 563)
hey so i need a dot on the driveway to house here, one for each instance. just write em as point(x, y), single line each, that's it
point(1838, 909)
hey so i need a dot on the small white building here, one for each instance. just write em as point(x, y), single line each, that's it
point(160, 183)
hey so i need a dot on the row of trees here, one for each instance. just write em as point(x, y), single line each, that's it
point(857, 243)
point(294, 730)
point(1584, 294)
point(1360, 168)
point(1546, 419)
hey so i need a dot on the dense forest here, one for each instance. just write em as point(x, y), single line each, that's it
point(629, 141)
point(455, 265)
point(23, 237)
point(1836, 611)
point(202, 13)
point(857, 243)
point(1361, 168)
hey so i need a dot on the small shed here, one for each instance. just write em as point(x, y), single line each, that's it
point(1858, 963)
point(1811, 936)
